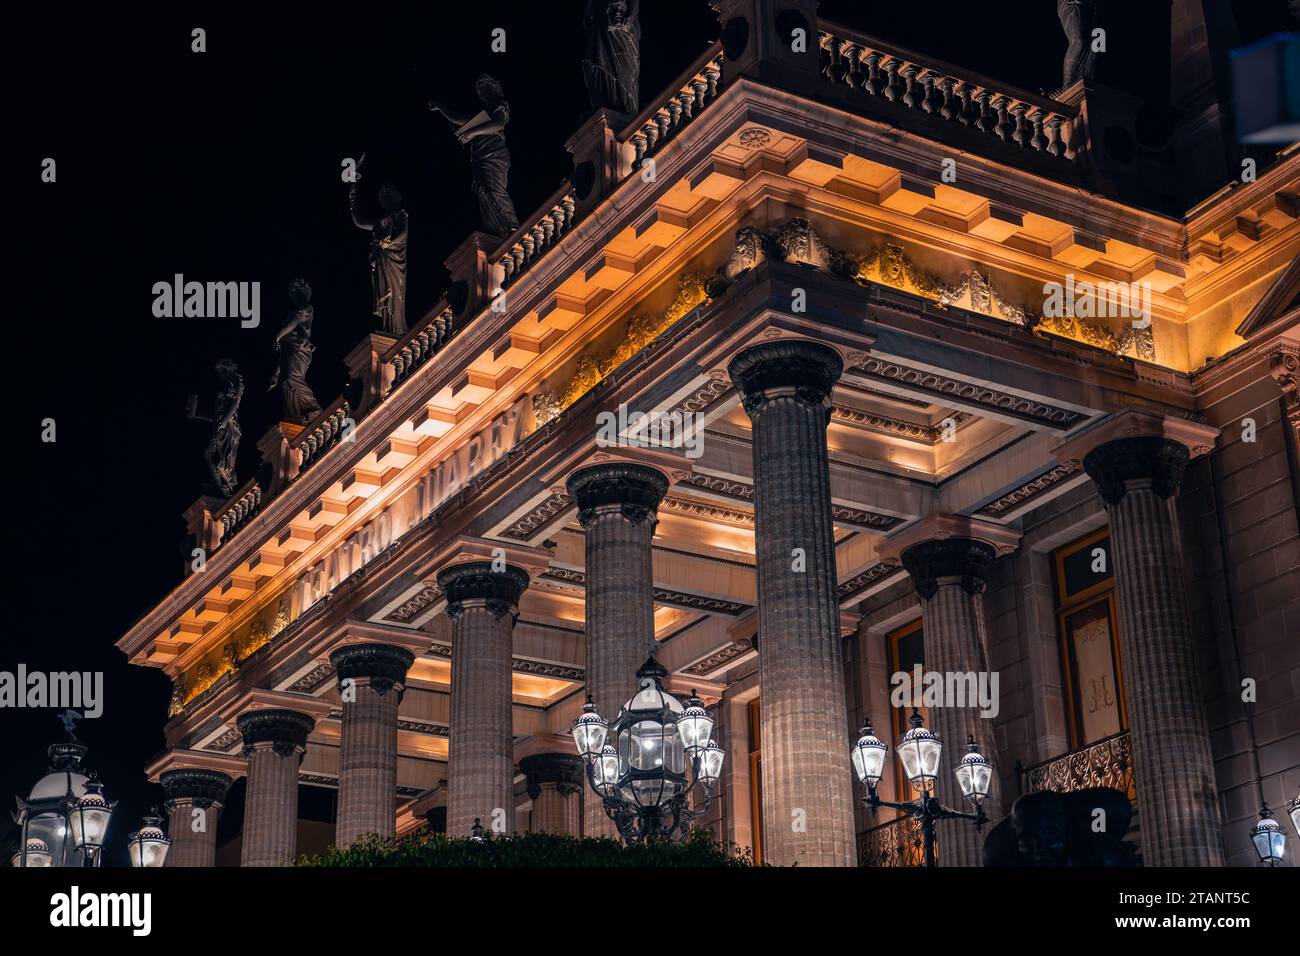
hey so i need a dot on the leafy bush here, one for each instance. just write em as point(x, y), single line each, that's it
point(531, 850)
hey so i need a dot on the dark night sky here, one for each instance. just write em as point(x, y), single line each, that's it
point(225, 166)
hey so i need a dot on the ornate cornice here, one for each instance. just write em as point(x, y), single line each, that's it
point(384, 665)
point(415, 605)
point(1030, 490)
point(309, 681)
point(718, 659)
point(551, 509)
point(201, 787)
point(224, 742)
point(479, 582)
point(525, 665)
point(285, 730)
point(725, 487)
point(947, 388)
point(793, 368)
point(633, 490)
point(894, 426)
point(708, 511)
point(963, 558)
point(1148, 458)
point(565, 771)
point(682, 599)
point(865, 579)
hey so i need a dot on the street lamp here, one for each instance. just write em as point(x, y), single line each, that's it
point(641, 778)
point(1293, 808)
point(919, 749)
point(148, 845)
point(65, 817)
point(1269, 840)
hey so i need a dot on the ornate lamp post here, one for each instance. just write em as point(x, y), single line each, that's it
point(920, 750)
point(1269, 840)
point(148, 845)
point(643, 781)
point(65, 817)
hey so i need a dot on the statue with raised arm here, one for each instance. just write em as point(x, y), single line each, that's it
point(293, 343)
point(223, 447)
point(387, 257)
point(489, 158)
point(612, 66)
point(1078, 19)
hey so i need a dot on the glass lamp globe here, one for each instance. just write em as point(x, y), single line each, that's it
point(919, 750)
point(869, 756)
point(589, 731)
point(651, 757)
point(38, 854)
point(88, 816)
point(148, 846)
point(604, 771)
point(711, 765)
point(1293, 808)
point(1269, 840)
point(974, 774)
point(695, 726)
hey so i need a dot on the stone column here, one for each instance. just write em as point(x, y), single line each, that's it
point(482, 604)
point(555, 783)
point(949, 577)
point(807, 779)
point(618, 506)
point(195, 797)
point(372, 678)
point(274, 742)
point(1177, 795)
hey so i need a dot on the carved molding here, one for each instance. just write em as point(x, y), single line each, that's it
point(866, 578)
point(718, 659)
point(681, 599)
point(415, 605)
point(551, 509)
point(1030, 490)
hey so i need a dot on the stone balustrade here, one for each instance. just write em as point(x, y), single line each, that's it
point(697, 87)
point(537, 235)
point(1014, 116)
point(240, 507)
point(312, 442)
point(420, 343)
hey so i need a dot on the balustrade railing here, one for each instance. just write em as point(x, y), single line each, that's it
point(897, 843)
point(535, 237)
point(314, 440)
point(239, 507)
point(696, 88)
point(1107, 763)
point(1014, 116)
point(420, 343)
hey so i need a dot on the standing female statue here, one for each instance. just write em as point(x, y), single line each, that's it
point(489, 157)
point(612, 66)
point(223, 447)
point(293, 342)
point(387, 258)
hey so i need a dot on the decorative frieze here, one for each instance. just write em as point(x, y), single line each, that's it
point(1013, 500)
point(682, 599)
point(415, 605)
point(718, 659)
point(551, 509)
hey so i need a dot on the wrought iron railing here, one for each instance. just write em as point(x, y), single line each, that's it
point(896, 843)
point(1107, 763)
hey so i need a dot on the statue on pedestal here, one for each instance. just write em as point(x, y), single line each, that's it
point(387, 258)
point(223, 447)
point(293, 343)
point(1078, 19)
point(612, 66)
point(485, 134)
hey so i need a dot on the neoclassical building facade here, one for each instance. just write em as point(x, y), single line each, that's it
point(834, 265)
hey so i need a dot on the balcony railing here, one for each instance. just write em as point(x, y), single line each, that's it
point(239, 507)
point(535, 237)
point(897, 843)
point(420, 343)
point(878, 69)
point(314, 440)
point(695, 88)
point(1107, 763)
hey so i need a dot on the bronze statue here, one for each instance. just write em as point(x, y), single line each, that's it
point(387, 258)
point(1047, 828)
point(612, 67)
point(1078, 18)
point(223, 447)
point(293, 342)
point(489, 157)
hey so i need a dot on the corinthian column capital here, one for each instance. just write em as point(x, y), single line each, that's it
point(785, 368)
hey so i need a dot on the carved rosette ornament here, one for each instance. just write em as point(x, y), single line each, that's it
point(201, 787)
point(383, 665)
point(478, 584)
point(797, 369)
point(285, 730)
point(632, 490)
point(566, 771)
point(964, 558)
point(1147, 458)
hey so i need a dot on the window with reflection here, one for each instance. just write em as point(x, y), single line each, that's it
point(1088, 624)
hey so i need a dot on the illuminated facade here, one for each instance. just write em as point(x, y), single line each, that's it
point(889, 456)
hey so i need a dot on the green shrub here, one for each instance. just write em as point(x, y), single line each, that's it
point(530, 849)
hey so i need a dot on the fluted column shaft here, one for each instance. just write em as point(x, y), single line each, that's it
point(371, 681)
point(949, 578)
point(1172, 760)
point(274, 742)
point(482, 603)
point(555, 782)
point(807, 783)
point(617, 506)
point(194, 800)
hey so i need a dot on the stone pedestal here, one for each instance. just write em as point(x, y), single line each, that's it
point(194, 800)
point(482, 604)
point(618, 507)
point(1177, 795)
point(807, 781)
point(949, 577)
point(274, 742)
point(555, 784)
point(371, 681)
